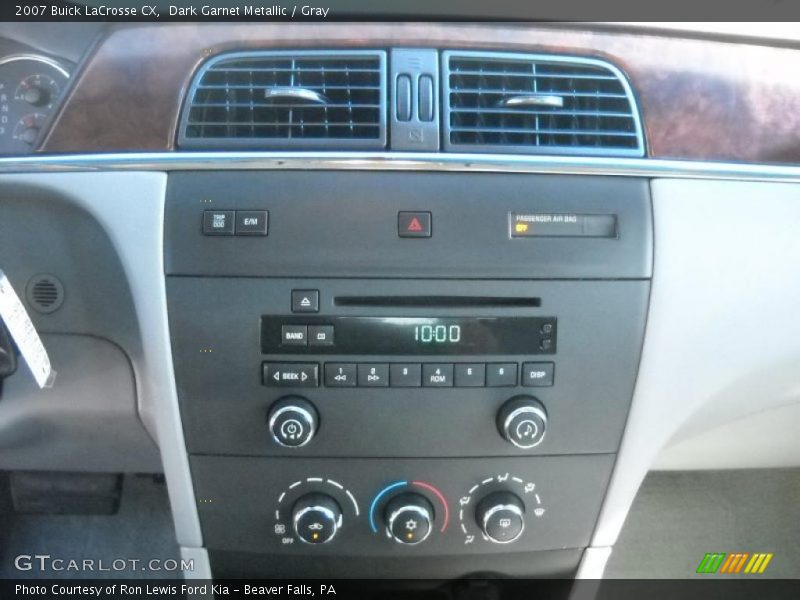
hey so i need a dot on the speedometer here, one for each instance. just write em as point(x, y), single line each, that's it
point(30, 88)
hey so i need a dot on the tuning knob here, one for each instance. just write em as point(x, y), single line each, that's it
point(293, 421)
point(501, 517)
point(522, 421)
point(316, 518)
point(409, 518)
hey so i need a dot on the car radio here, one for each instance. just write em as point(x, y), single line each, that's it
point(347, 390)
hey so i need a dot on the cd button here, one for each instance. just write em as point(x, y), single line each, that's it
point(372, 375)
point(320, 335)
point(405, 375)
point(437, 375)
point(340, 374)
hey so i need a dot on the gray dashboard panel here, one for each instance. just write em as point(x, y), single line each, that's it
point(723, 335)
point(88, 420)
point(129, 209)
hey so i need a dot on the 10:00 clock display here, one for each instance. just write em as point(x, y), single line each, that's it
point(439, 334)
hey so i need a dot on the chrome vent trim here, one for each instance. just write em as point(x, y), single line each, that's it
point(307, 99)
point(538, 104)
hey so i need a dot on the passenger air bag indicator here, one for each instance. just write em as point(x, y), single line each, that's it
point(524, 225)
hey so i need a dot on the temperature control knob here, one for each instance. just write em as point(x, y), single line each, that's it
point(501, 517)
point(316, 518)
point(409, 518)
point(522, 421)
point(293, 421)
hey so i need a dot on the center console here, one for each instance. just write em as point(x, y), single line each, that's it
point(395, 374)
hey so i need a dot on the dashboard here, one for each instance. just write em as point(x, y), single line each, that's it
point(382, 298)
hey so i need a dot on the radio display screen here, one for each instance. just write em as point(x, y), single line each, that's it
point(409, 335)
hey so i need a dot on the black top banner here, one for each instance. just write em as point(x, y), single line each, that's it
point(405, 10)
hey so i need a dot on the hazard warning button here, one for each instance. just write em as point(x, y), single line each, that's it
point(414, 224)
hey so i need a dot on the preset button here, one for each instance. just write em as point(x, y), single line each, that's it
point(501, 374)
point(373, 375)
point(340, 374)
point(405, 375)
point(437, 375)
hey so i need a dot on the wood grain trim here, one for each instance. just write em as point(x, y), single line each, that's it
point(700, 99)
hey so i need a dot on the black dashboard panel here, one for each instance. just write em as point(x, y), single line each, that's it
point(328, 406)
point(340, 224)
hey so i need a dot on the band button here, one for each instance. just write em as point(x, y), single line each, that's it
point(294, 335)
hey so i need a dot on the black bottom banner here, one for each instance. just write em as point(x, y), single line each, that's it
point(464, 589)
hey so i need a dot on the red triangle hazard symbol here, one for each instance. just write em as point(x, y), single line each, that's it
point(414, 225)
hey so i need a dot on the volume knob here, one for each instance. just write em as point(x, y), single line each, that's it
point(522, 421)
point(292, 421)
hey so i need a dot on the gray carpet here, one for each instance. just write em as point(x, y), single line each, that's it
point(678, 517)
point(142, 529)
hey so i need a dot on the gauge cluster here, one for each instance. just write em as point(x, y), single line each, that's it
point(30, 88)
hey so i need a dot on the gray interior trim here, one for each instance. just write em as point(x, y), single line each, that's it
point(723, 435)
point(130, 207)
point(87, 420)
point(722, 325)
point(400, 161)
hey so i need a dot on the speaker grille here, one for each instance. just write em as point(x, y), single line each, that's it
point(45, 293)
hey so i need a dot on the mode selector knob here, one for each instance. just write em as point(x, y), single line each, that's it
point(293, 421)
point(522, 421)
point(409, 518)
point(316, 518)
point(501, 517)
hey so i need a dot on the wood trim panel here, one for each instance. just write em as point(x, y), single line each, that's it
point(700, 99)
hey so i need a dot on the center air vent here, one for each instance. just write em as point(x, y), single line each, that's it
point(497, 102)
point(306, 99)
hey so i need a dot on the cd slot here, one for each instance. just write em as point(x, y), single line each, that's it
point(437, 301)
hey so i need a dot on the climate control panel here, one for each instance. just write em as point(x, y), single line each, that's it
point(434, 506)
